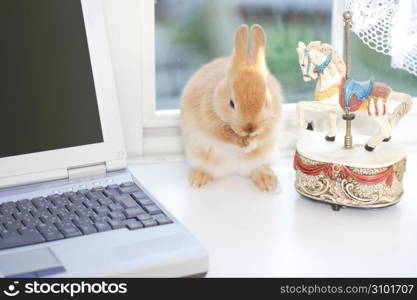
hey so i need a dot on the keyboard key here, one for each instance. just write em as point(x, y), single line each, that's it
point(26, 230)
point(6, 210)
point(49, 219)
point(129, 189)
point(44, 212)
point(24, 205)
point(105, 201)
point(75, 206)
point(144, 217)
point(23, 215)
point(81, 221)
point(83, 191)
point(61, 225)
point(31, 223)
point(102, 226)
point(116, 215)
point(116, 224)
point(53, 196)
point(50, 232)
point(91, 204)
point(4, 233)
point(17, 215)
point(152, 209)
point(27, 217)
point(59, 201)
point(40, 202)
point(68, 194)
point(112, 186)
point(101, 209)
point(162, 219)
point(21, 240)
point(78, 198)
point(22, 202)
point(8, 204)
point(127, 183)
point(70, 231)
point(115, 207)
point(133, 224)
point(13, 225)
point(63, 217)
point(149, 223)
point(98, 219)
point(145, 201)
point(7, 219)
point(139, 195)
point(111, 192)
point(133, 212)
point(81, 213)
point(94, 195)
point(87, 228)
point(73, 217)
point(126, 201)
point(58, 210)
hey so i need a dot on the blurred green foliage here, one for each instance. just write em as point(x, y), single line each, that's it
point(282, 58)
point(194, 33)
point(197, 34)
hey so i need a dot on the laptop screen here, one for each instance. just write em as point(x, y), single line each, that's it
point(47, 94)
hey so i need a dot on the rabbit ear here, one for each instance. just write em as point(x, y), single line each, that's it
point(258, 46)
point(240, 52)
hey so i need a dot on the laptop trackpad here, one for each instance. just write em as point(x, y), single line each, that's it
point(32, 263)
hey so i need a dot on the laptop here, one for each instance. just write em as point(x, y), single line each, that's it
point(68, 205)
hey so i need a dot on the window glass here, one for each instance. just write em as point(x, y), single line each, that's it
point(367, 63)
point(190, 33)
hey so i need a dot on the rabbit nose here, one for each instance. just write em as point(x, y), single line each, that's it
point(249, 128)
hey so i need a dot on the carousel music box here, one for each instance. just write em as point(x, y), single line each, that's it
point(365, 172)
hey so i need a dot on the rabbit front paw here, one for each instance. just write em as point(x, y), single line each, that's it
point(249, 144)
point(199, 178)
point(253, 145)
point(265, 179)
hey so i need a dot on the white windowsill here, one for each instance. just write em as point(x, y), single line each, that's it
point(251, 233)
point(166, 140)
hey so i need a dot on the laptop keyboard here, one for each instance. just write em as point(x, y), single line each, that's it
point(71, 214)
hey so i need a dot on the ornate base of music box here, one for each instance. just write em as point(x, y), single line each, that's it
point(327, 172)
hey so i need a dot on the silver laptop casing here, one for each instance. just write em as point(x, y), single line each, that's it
point(161, 251)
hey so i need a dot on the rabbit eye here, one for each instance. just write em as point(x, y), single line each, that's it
point(232, 104)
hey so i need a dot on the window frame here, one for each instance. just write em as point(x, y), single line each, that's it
point(161, 133)
point(168, 118)
point(151, 117)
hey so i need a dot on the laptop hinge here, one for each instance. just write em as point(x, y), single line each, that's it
point(87, 171)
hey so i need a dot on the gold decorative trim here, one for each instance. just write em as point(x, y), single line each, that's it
point(327, 93)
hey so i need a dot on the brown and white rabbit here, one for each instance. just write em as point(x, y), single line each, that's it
point(230, 110)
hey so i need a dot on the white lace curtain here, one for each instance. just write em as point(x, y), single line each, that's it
point(388, 27)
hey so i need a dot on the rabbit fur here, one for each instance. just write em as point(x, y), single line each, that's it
point(230, 112)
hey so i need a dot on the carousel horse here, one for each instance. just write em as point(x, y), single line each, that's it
point(318, 61)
